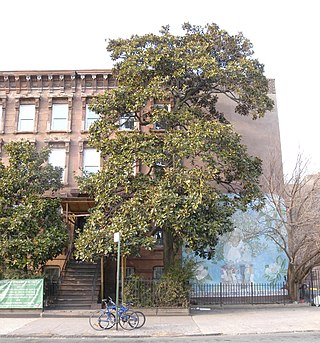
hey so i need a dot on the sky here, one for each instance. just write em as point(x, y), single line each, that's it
point(73, 34)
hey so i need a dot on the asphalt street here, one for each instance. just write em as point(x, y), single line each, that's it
point(300, 337)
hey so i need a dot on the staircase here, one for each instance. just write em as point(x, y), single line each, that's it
point(79, 288)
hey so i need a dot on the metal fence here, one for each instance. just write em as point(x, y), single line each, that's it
point(231, 294)
point(158, 293)
point(310, 290)
point(51, 289)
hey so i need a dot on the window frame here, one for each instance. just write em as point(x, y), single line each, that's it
point(90, 119)
point(61, 145)
point(159, 238)
point(56, 100)
point(59, 116)
point(2, 113)
point(157, 272)
point(126, 118)
point(157, 125)
point(26, 118)
point(86, 149)
point(130, 271)
point(26, 101)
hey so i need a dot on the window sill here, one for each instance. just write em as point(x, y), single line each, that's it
point(59, 131)
point(25, 132)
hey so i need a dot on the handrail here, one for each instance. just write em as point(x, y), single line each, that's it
point(66, 262)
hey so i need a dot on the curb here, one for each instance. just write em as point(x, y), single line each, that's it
point(96, 337)
point(149, 312)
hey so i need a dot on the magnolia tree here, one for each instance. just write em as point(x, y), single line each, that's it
point(293, 221)
point(32, 230)
point(181, 170)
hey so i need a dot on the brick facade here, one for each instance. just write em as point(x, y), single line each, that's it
point(74, 89)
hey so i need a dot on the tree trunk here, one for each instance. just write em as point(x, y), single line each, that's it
point(292, 284)
point(168, 250)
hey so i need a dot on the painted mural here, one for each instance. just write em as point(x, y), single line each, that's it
point(245, 255)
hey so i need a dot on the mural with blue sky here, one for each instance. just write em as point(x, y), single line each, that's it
point(246, 254)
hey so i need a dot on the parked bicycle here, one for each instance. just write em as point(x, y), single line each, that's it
point(105, 318)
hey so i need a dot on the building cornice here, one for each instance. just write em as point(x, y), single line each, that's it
point(56, 80)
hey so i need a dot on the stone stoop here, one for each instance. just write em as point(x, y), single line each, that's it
point(79, 288)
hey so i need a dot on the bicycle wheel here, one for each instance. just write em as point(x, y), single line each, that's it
point(102, 320)
point(128, 320)
point(142, 319)
point(107, 320)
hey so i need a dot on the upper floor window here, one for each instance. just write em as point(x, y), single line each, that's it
point(1, 118)
point(159, 169)
point(57, 158)
point(126, 121)
point(159, 238)
point(26, 117)
point(91, 160)
point(161, 124)
point(59, 118)
point(90, 118)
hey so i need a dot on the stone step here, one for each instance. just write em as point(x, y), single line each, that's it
point(84, 273)
point(79, 298)
point(72, 278)
point(76, 288)
point(79, 291)
point(82, 265)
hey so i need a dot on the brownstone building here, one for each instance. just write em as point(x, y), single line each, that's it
point(51, 108)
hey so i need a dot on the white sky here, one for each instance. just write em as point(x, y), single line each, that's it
point(72, 34)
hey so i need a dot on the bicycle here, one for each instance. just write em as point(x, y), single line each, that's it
point(105, 319)
point(126, 309)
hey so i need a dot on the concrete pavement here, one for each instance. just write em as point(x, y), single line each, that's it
point(226, 320)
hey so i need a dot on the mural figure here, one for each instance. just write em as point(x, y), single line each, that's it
point(244, 255)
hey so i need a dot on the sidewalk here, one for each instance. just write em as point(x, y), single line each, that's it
point(217, 321)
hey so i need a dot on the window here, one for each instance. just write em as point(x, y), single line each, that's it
point(134, 168)
point(129, 271)
point(57, 158)
point(126, 121)
point(159, 238)
point(161, 124)
point(91, 117)
point(157, 273)
point(26, 117)
point(1, 119)
point(59, 117)
point(91, 160)
point(159, 169)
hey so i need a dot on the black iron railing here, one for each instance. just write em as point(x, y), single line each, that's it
point(231, 294)
point(156, 293)
point(310, 290)
point(163, 294)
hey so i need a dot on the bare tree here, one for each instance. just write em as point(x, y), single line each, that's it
point(291, 219)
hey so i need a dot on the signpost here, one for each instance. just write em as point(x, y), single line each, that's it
point(117, 240)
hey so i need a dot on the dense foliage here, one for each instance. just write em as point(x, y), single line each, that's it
point(191, 171)
point(32, 230)
point(171, 290)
